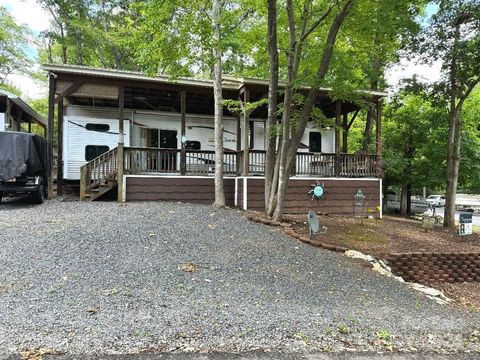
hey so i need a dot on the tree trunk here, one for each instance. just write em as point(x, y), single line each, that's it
point(404, 199)
point(64, 46)
point(453, 161)
point(453, 165)
point(270, 138)
point(218, 110)
point(367, 134)
point(290, 145)
point(292, 68)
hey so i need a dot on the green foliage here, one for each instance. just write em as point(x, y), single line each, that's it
point(415, 120)
point(10, 88)
point(437, 41)
point(88, 32)
point(240, 107)
point(13, 46)
point(469, 179)
point(383, 335)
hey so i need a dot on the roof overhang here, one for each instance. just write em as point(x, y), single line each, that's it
point(25, 108)
point(229, 83)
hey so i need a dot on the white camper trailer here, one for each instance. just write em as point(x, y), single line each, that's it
point(91, 131)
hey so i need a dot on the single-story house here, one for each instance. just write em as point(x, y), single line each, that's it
point(163, 131)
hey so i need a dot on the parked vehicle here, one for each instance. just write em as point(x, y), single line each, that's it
point(418, 203)
point(436, 200)
point(23, 165)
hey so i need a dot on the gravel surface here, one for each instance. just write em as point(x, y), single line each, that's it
point(86, 278)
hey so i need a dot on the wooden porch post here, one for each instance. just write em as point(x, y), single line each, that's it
point(60, 149)
point(378, 140)
point(183, 152)
point(239, 143)
point(50, 128)
point(30, 126)
point(7, 113)
point(345, 134)
point(19, 119)
point(120, 159)
point(338, 125)
point(246, 145)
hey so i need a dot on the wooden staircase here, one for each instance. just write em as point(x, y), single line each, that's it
point(98, 176)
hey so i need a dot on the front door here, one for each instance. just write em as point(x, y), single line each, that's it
point(168, 159)
point(164, 160)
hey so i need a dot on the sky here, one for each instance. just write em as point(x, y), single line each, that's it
point(31, 14)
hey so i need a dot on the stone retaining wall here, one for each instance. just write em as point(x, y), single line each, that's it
point(436, 267)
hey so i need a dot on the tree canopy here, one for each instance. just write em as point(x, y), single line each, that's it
point(423, 125)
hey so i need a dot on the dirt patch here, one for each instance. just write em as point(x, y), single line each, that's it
point(390, 235)
point(464, 294)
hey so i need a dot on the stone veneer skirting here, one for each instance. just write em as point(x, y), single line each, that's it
point(436, 267)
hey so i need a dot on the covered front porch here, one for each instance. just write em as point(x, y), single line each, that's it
point(134, 112)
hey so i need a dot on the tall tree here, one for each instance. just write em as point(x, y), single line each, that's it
point(13, 47)
point(270, 139)
point(453, 36)
point(415, 139)
point(89, 32)
point(218, 108)
point(377, 32)
point(300, 27)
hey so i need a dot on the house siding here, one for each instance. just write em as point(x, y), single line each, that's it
point(338, 200)
point(185, 189)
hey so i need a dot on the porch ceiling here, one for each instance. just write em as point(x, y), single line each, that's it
point(162, 94)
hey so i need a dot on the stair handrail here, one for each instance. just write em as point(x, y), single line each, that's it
point(97, 170)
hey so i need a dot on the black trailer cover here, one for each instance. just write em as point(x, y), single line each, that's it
point(22, 154)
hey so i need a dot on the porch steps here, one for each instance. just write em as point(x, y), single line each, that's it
point(101, 190)
point(98, 176)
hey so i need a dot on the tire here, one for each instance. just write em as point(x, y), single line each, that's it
point(38, 196)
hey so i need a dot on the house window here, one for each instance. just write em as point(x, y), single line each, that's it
point(315, 142)
point(93, 151)
point(97, 127)
point(192, 145)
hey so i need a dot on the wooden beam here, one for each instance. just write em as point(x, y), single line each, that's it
point(183, 125)
point(74, 86)
point(19, 119)
point(246, 115)
point(338, 125)
point(50, 128)
point(121, 140)
point(60, 149)
point(239, 132)
point(352, 119)
point(7, 114)
point(345, 134)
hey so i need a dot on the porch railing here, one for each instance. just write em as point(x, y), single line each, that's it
point(159, 160)
point(102, 171)
point(98, 171)
point(202, 162)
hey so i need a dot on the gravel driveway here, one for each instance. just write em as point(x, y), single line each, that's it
point(85, 278)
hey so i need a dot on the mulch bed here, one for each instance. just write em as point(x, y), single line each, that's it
point(382, 237)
